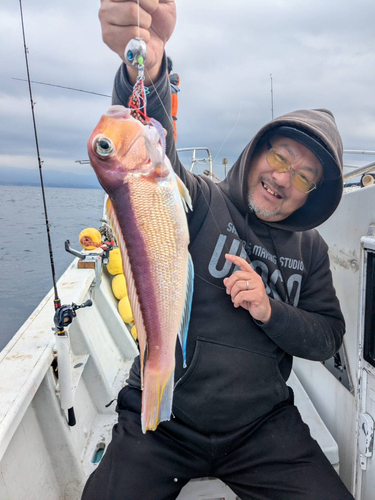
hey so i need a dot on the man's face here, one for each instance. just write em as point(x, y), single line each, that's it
point(286, 198)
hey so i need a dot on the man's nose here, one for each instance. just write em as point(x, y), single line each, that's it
point(283, 179)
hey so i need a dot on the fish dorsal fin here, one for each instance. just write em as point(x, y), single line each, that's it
point(184, 327)
point(185, 195)
point(132, 291)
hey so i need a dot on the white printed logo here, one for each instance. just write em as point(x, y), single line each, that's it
point(270, 281)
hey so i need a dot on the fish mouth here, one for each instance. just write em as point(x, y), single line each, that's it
point(271, 190)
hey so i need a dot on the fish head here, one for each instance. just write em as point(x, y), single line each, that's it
point(121, 146)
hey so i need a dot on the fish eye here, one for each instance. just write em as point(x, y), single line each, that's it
point(103, 146)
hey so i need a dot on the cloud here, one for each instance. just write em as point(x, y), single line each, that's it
point(320, 54)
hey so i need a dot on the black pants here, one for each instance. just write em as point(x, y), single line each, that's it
point(274, 458)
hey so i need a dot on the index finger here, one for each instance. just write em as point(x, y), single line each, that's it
point(240, 262)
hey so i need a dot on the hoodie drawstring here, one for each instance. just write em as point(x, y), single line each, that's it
point(276, 251)
point(279, 267)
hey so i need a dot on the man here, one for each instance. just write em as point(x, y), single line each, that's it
point(233, 414)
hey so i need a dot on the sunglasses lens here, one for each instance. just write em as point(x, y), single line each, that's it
point(277, 162)
point(302, 183)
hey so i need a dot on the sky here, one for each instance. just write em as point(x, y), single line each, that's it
point(321, 54)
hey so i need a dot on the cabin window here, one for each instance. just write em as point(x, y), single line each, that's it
point(369, 340)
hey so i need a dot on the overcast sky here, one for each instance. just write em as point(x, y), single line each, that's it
point(321, 53)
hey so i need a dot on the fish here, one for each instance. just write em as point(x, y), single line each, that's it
point(147, 205)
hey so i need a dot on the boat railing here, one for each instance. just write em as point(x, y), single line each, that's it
point(364, 169)
point(195, 160)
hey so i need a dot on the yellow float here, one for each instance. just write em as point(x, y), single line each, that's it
point(119, 288)
point(90, 238)
point(125, 310)
point(134, 333)
point(114, 265)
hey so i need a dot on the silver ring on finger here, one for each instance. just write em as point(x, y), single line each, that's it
point(247, 285)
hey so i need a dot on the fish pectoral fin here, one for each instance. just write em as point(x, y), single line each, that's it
point(184, 327)
point(185, 195)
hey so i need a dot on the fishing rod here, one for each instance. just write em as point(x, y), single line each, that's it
point(40, 163)
point(64, 314)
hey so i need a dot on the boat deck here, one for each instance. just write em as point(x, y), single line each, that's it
point(102, 352)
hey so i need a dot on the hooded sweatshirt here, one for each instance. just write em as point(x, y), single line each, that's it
point(237, 367)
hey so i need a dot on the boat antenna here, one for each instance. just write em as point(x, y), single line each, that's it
point(271, 96)
point(57, 301)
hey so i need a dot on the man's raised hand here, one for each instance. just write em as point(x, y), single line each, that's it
point(247, 290)
point(119, 22)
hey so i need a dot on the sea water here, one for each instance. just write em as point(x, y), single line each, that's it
point(25, 270)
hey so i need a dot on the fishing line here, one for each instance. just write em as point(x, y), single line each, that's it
point(227, 137)
point(170, 119)
point(40, 163)
point(62, 87)
point(158, 96)
point(139, 22)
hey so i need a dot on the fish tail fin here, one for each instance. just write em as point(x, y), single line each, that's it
point(184, 327)
point(157, 398)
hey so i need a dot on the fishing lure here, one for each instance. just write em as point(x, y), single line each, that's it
point(136, 54)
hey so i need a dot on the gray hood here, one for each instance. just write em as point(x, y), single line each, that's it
point(322, 202)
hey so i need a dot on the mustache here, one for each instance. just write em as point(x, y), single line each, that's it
point(272, 184)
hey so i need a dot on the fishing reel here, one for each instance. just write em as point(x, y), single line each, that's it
point(65, 314)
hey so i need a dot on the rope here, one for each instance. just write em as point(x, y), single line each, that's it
point(137, 101)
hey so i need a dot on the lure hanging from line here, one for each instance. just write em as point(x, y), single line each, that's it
point(136, 54)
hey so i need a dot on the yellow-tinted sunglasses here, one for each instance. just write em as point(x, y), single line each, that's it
point(278, 162)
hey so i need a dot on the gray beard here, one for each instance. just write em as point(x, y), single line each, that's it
point(259, 210)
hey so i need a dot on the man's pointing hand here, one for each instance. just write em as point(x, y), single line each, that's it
point(247, 290)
